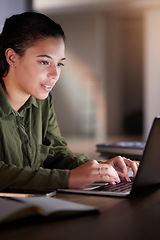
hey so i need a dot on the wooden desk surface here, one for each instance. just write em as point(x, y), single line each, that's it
point(120, 218)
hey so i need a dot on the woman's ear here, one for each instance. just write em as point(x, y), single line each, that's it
point(11, 57)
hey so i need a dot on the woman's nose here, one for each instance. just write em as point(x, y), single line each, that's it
point(53, 73)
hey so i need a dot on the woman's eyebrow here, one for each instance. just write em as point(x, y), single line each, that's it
point(47, 56)
point(44, 55)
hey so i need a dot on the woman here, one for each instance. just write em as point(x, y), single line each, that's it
point(34, 156)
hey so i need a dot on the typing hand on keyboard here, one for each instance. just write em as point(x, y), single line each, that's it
point(123, 186)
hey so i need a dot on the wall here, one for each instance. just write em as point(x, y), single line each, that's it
point(9, 7)
point(79, 96)
point(151, 66)
point(103, 73)
point(125, 72)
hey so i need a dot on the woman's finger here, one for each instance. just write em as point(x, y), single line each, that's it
point(107, 173)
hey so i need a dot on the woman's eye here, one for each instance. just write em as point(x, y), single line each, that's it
point(60, 64)
point(44, 63)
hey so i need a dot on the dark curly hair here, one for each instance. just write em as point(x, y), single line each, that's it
point(21, 31)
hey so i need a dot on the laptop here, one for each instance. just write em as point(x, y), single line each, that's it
point(147, 177)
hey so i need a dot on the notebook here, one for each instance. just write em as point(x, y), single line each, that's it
point(148, 174)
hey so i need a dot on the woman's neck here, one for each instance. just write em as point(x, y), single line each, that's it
point(15, 99)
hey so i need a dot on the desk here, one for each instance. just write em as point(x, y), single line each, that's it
point(134, 219)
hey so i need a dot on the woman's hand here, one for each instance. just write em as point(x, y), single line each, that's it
point(123, 165)
point(90, 172)
point(111, 171)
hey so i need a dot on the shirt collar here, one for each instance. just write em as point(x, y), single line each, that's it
point(5, 107)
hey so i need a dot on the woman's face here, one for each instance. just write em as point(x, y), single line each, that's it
point(38, 70)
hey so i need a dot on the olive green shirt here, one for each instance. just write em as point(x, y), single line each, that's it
point(33, 154)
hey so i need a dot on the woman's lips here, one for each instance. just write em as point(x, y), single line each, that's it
point(47, 87)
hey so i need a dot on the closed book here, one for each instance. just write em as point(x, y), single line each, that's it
point(129, 149)
point(18, 208)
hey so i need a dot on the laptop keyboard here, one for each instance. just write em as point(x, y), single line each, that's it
point(122, 187)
